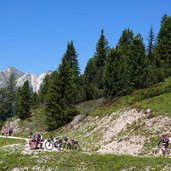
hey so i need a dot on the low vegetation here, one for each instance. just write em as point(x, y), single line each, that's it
point(143, 98)
point(9, 141)
point(71, 160)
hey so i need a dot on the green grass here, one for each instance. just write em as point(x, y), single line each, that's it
point(138, 96)
point(13, 160)
point(33, 124)
point(73, 161)
point(159, 105)
point(9, 141)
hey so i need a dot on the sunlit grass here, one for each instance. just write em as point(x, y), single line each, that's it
point(9, 141)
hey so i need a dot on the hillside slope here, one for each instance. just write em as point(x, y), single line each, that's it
point(120, 135)
point(131, 125)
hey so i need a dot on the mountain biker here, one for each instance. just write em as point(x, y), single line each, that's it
point(164, 140)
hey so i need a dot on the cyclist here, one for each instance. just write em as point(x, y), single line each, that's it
point(164, 140)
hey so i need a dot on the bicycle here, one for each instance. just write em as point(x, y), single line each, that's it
point(73, 144)
point(161, 149)
point(53, 143)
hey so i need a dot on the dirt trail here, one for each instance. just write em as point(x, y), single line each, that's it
point(19, 138)
point(27, 149)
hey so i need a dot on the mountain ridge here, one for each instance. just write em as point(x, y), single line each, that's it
point(35, 81)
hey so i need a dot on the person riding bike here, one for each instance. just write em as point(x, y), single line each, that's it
point(164, 140)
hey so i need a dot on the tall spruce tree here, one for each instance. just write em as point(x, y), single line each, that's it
point(94, 71)
point(117, 82)
point(89, 77)
point(111, 75)
point(7, 99)
point(154, 63)
point(3, 106)
point(44, 89)
point(23, 103)
point(71, 57)
point(138, 62)
point(125, 42)
point(102, 50)
point(123, 49)
point(163, 46)
point(17, 103)
point(10, 90)
point(163, 19)
point(150, 47)
point(59, 101)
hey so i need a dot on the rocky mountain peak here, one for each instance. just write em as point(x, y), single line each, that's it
point(34, 81)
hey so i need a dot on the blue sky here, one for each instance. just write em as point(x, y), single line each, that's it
point(34, 33)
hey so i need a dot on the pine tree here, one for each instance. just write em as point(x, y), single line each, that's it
point(125, 42)
point(150, 47)
point(3, 109)
point(44, 89)
point(163, 46)
point(111, 73)
point(94, 71)
point(138, 62)
point(10, 90)
point(23, 104)
point(102, 50)
point(90, 80)
point(117, 82)
point(163, 19)
point(17, 103)
point(59, 102)
point(71, 57)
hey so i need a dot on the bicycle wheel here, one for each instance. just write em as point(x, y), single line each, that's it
point(156, 151)
point(65, 146)
point(76, 147)
point(166, 152)
point(49, 145)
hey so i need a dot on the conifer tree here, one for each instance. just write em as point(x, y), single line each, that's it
point(138, 63)
point(23, 104)
point(163, 19)
point(111, 74)
point(90, 80)
point(3, 105)
point(59, 101)
point(163, 47)
point(10, 90)
point(125, 42)
point(124, 71)
point(71, 57)
point(44, 89)
point(94, 71)
point(117, 82)
point(102, 49)
point(150, 47)
point(17, 103)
